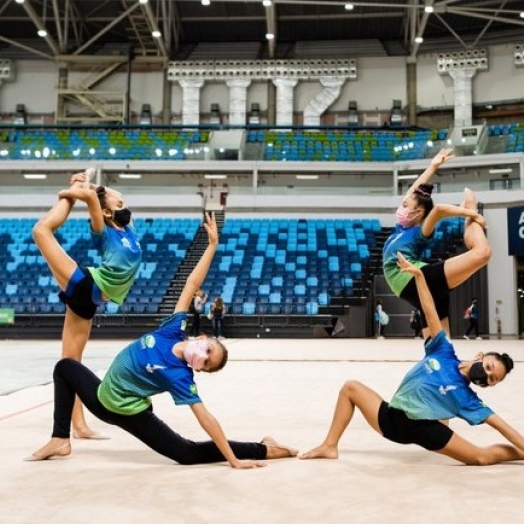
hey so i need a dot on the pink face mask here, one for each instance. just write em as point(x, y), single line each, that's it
point(196, 353)
point(403, 216)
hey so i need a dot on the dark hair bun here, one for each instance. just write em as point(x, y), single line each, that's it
point(426, 188)
point(507, 361)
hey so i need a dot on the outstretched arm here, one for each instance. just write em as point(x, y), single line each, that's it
point(211, 426)
point(440, 211)
point(507, 431)
point(440, 158)
point(428, 304)
point(197, 276)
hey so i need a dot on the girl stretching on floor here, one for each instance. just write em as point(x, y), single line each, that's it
point(435, 390)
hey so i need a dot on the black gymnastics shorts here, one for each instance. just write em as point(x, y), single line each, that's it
point(438, 286)
point(397, 427)
point(79, 294)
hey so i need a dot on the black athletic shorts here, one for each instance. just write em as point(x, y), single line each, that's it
point(82, 295)
point(438, 286)
point(397, 427)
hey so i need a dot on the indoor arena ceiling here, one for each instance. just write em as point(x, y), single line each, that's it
point(234, 30)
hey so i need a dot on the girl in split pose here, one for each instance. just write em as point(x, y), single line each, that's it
point(159, 361)
point(434, 391)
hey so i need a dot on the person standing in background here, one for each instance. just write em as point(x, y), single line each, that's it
point(472, 314)
point(218, 310)
point(381, 319)
point(415, 323)
point(199, 300)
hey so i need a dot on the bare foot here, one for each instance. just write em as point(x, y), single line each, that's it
point(56, 447)
point(321, 452)
point(88, 433)
point(276, 450)
point(470, 199)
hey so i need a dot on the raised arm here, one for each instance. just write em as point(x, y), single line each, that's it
point(426, 300)
point(440, 158)
point(90, 197)
point(211, 426)
point(197, 276)
point(441, 211)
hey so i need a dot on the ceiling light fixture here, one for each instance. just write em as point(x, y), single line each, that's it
point(306, 177)
point(206, 2)
point(35, 176)
point(500, 171)
point(130, 176)
point(156, 33)
point(349, 7)
point(407, 177)
point(419, 40)
point(215, 177)
point(42, 33)
point(267, 3)
point(429, 9)
point(143, 2)
point(270, 36)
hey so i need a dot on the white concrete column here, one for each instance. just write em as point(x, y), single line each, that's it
point(285, 97)
point(238, 100)
point(318, 105)
point(191, 101)
point(463, 95)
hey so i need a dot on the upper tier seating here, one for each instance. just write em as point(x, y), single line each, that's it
point(97, 143)
point(345, 146)
point(512, 134)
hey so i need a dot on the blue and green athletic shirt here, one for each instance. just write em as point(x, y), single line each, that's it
point(148, 367)
point(434, 389)
point(411, 243)
point(121, 256)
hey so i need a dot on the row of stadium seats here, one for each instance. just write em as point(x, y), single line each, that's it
point(92, 144)
point(346, 146)
point(262, 266)
point(364, 145)
point(164, 243)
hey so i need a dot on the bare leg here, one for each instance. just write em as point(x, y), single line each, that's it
point(353, 394)
point(461, 449)
point(60, 263)
point(460, 268)
point(75, 335)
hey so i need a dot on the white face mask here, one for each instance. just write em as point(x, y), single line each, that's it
point(403, 216)
point(196, 353)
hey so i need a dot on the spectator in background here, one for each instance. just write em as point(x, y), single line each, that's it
point(217, 312)
point(381, 319)
point(472, 314)
point(199, 300)
point(415, 323)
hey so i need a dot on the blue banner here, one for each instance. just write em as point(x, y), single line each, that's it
point(516, 230)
